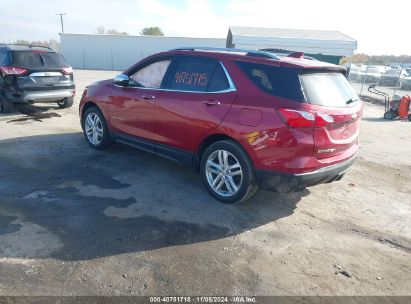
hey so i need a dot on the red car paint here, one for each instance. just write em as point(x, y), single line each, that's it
point(250, 116)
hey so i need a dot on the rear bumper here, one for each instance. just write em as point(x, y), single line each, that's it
point(281, 182)
point(42, 96)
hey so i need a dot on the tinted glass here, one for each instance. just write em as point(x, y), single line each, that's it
point(219, 81)
point(277, 81)
point(328, 89)
point(38, 60)
point(4, 57)
point(191, 74)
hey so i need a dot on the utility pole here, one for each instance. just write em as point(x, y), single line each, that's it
point(61, 20)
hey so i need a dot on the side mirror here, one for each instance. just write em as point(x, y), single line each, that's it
point(121, 80)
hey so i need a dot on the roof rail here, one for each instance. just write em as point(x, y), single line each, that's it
point(26, 45)
point(254, 53)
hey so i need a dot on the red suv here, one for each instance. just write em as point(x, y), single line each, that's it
point(246, 119)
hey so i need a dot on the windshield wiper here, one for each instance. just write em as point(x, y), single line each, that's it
point(351, 100)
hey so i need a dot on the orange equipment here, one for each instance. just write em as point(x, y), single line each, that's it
point(404, 107)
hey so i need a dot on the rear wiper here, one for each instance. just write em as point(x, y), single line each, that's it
point(351, 100)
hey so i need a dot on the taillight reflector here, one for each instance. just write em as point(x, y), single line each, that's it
point(297, 119)
point(11, 70)
point(322, 119)
point(67, 70)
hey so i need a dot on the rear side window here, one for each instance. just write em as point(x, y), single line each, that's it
point(219, 81)
point(277, 81)
point(38, 60)
point(197, 74)
point(327, 89)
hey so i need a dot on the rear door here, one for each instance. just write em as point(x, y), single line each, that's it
point(198, 95)
point(46, 70)
point(338, 112)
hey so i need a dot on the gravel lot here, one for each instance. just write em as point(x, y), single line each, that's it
point(74, 221)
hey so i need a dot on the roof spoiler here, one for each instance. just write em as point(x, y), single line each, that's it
point(299, 55)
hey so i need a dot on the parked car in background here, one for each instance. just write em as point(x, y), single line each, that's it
point(405, 80)
point(391, 77)
point(244, 119)
point(353, 72)
point(32, 74)
point(371, 74)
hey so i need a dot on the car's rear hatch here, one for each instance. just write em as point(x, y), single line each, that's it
point(337, 110)
point(44, 70)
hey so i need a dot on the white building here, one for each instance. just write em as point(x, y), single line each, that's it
point(114, 52)
point(324, 45)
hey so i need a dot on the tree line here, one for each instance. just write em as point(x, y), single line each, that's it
point(149, 31)
point(376, 59)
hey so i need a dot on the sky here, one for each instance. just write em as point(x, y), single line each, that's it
point(378, 29)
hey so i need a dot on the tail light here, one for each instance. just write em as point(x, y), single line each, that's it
point(322, 120)
point(11, 70)
point(67, 70)
point(297, 119)
point(303, 119)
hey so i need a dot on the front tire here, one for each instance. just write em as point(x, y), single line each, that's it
point(95, 129)
point(227, 172)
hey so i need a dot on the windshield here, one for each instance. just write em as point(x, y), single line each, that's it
point(329, 89)
point(38, 60)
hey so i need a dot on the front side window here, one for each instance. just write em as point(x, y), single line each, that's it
point(197, 74)
point(151, 75)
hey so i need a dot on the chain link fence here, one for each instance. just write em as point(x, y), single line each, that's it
point(392, 80)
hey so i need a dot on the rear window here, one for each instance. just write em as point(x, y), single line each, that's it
point(327, 89)
point(4, 58)
point(38, 60)
point(277, 81)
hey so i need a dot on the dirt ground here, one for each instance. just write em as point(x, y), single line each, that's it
point(74, 221)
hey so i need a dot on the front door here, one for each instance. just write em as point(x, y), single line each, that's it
point(132, 106)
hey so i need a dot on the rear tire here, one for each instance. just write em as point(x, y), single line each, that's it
point(227, 172)
point(95, 129)
point(409, 117)
point(66, 103)
point(5, 105)
point(390, 115)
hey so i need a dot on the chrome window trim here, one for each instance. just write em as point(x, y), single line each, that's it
point(231, 88)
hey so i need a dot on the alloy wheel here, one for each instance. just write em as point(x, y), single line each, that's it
point(224, 173)
point(94, 128)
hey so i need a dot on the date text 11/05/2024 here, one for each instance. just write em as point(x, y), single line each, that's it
point(203, 299)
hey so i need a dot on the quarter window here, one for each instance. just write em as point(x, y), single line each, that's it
point(277, 81)
point(151, 75)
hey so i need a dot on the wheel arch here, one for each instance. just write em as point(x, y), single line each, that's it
point(86, 106)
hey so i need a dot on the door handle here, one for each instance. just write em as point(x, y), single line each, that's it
point(148, 96)
point(212, 102)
